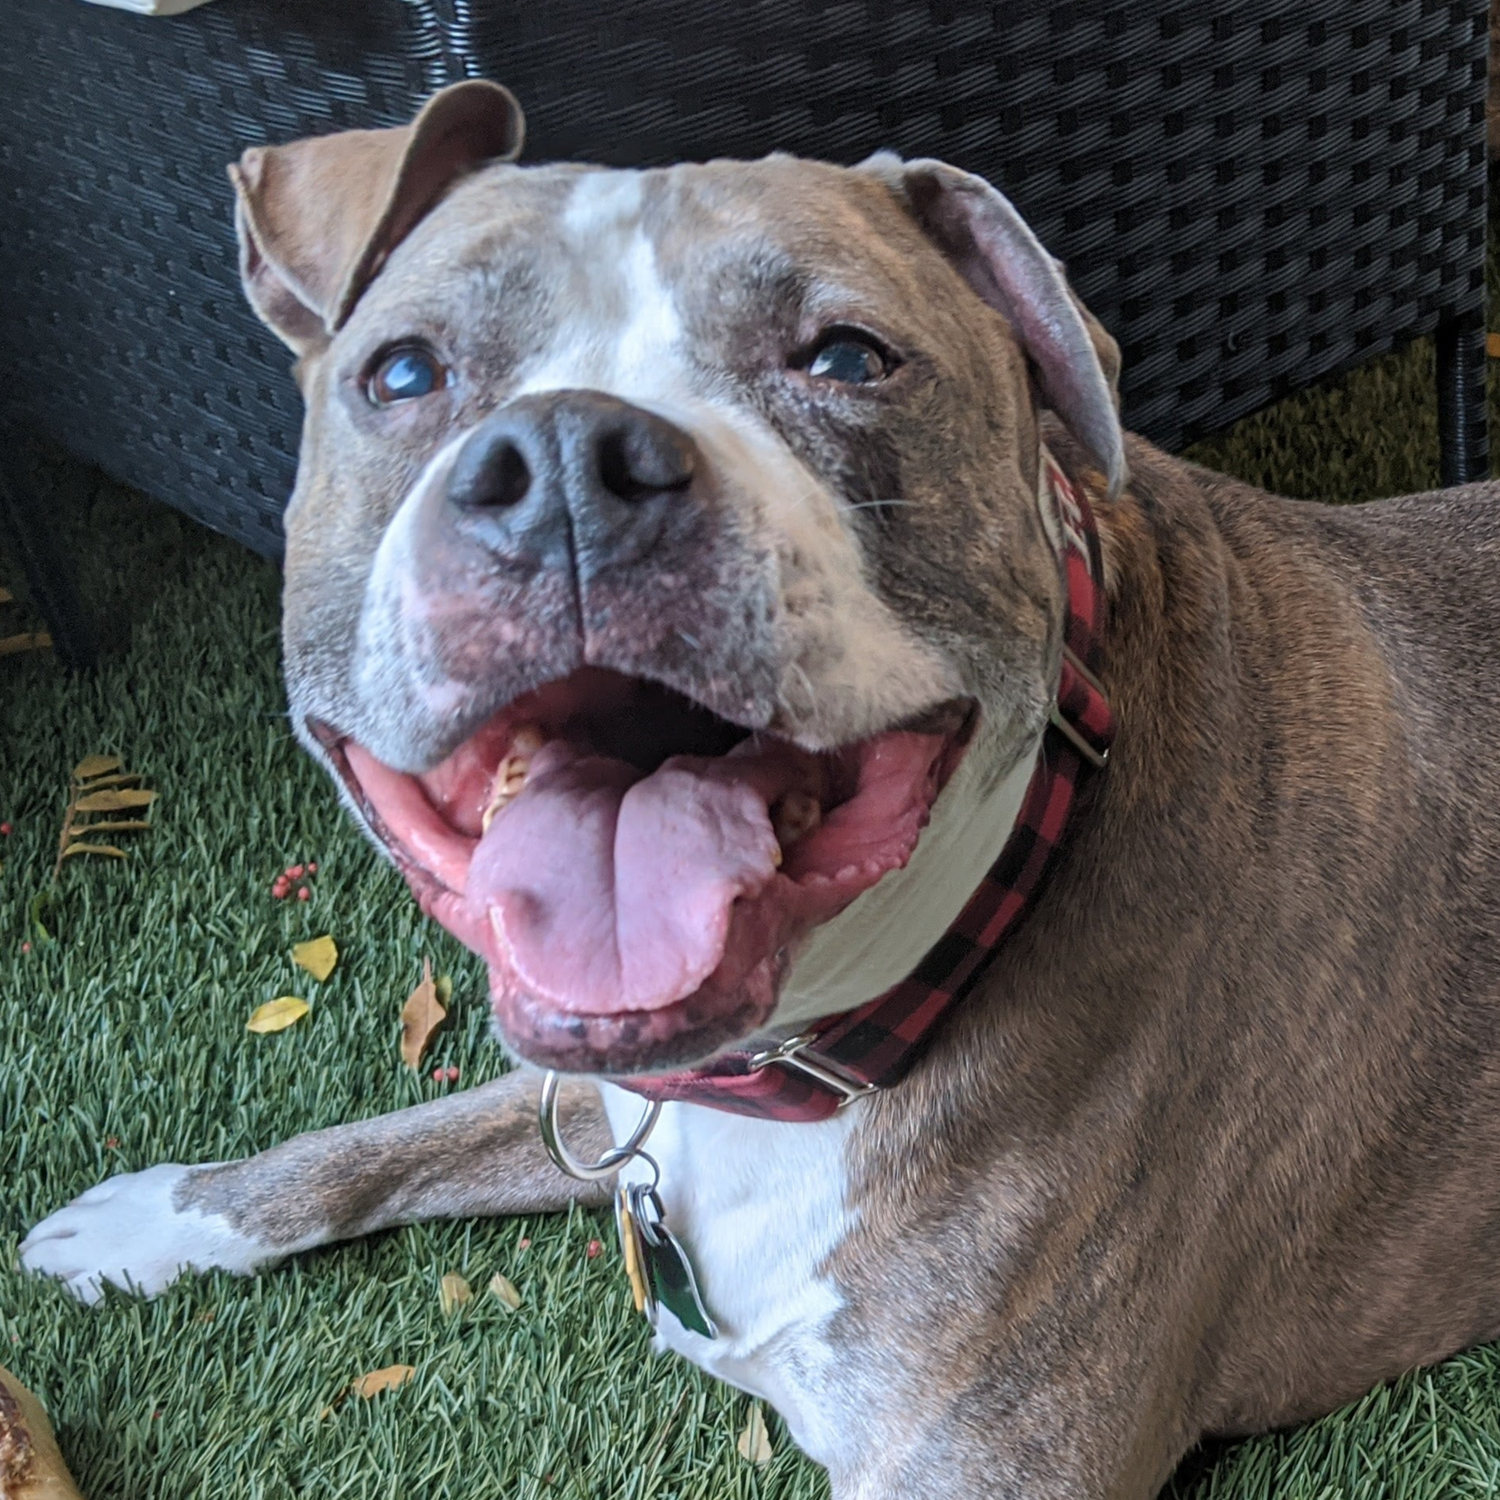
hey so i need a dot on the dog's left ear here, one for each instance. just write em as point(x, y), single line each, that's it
point(317, 218)
point(1076, 363)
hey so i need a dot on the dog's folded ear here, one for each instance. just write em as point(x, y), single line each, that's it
point(1075, 362)
point(317, 218)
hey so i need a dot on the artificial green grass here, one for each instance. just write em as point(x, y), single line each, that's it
point(124, 1044)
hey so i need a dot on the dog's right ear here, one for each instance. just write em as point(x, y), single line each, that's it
point(317, 218)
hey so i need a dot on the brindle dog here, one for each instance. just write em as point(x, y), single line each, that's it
point(727, 480)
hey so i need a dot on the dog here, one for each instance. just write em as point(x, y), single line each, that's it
point(681, 584)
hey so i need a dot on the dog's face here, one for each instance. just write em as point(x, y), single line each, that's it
point(661, 544)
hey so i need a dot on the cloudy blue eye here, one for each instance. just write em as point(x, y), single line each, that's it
point(406, 374)
point(849, 359)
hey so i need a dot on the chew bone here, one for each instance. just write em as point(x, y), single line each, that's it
point(31, 1468)
point(510, 775)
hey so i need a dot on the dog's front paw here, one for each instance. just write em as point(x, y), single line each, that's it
point(130, 1231)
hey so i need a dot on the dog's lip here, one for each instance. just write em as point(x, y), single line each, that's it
point(734, 1002)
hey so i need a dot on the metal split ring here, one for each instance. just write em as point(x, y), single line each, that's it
point(611, 1161)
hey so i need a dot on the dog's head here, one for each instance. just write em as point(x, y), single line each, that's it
point(662, 543)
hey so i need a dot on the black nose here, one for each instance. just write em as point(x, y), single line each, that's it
point(571, 471)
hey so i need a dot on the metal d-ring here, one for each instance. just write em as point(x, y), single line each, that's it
point(611, 1161)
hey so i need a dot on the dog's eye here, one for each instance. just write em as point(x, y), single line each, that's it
point(406, 374)
point(850, 359)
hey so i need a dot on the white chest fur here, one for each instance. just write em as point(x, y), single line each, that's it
point(759, 1206)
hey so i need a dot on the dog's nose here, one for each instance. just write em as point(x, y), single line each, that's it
point(571, 472)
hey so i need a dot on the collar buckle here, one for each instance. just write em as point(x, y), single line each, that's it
point(792, 1053)
point(1059, 720)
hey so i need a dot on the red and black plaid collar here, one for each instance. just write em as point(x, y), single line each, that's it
point(844, 1057)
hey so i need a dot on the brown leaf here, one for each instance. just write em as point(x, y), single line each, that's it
point(115, 801)
point(317, 956)
point(36, 640)
point(389, 1379)
point(6, 597)
point(277, 1015)
point(453, 1292)
point(505, 1289)
point(125, 778)
point(110, 825)
point(755, 1441)
point(108, 849)
point(30, 1463)
point(422, 1014)
point(96, 765)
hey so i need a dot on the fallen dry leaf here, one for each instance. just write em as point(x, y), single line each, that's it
point(755, 1441)
point(109, 849)
point(28, 640)
point(277, 1015)
point(505, 1289)
point(115, 799)
point(317, 956)
point(31, 1468)
point(453, 1292)
point(388, 1379)
point(422, 1014)
point(96, 765)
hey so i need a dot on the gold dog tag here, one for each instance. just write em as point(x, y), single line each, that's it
point(630, 1248)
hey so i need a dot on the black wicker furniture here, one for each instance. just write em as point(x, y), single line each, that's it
point(1250, 195)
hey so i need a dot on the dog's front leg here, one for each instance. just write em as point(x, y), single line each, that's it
point(474, 1154)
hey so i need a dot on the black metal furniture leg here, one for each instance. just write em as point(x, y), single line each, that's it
point(1463, 411)
point(48, 578)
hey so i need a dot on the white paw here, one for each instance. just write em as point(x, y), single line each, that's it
point(127, 1231)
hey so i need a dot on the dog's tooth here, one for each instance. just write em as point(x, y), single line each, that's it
point(510, 774)
point(794, 817)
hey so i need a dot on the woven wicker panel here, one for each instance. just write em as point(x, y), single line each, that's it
point(119, 292)
point(1249, 199)
point(1249, 193)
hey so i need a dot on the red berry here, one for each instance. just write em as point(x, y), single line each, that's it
point(303, 894)
point(25, 947)
point(5, 828)
point(524, 1245)
point(452, 1075)
point(596, 1249)
point(111, 1143)
point(294, 872)
point(312, 869)
point(437, 1075)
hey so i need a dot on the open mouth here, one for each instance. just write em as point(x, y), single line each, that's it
point(636, 871)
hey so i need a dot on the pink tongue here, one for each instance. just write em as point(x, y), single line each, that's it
point(611, 890)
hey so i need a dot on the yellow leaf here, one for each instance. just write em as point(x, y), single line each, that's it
point(317, 956)
point(505, 1289)
point(444, 984)
point(420, 1017)
point(108, 849)
point(388, 1379)
point(110, 825)
point(453, 1292)
point(96, 765)
point(755, 1441)
point(115, 801)
point(277, 1015)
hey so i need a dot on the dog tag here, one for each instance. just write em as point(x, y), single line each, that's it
point(671, 1282)
point(633, 1249)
